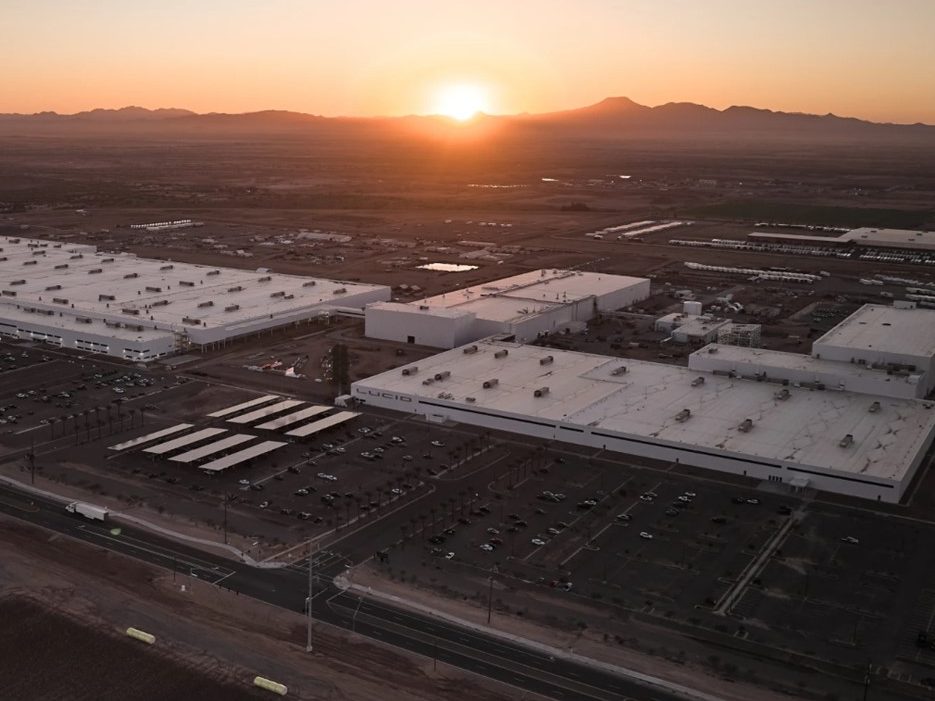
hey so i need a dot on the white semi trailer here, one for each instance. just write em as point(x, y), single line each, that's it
point(89, 511)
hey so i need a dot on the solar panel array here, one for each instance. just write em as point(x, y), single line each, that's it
point(243, 405)
point(240, 456)
point(265, 412)
point(213, 448)
point(322, 424)
point(149, 437)
point(202, 435)
point(294, 418)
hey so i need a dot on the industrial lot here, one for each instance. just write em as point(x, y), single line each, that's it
point(657, 460)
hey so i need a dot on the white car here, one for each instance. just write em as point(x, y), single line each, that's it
point(645, 535)
point(396, 490)
point(537, 541)
point(850, 539)
point(438, 444)
point(644, 497)
point(690, 495)
point(245, 483)
point(450, 556)
point(487, 547)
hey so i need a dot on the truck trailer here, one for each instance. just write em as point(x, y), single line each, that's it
point(89, 511)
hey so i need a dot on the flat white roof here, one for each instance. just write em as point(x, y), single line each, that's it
point(167, 295)
point(643, 403)
point(240, 456)
point(527, 294)
point(180, 442)
point(792, 361)
point(865, 236)
point(212, 448)
point(265, 411)
point(155, 435)
point(884, 329)
point(243, 405)
point(322, 424)
point(294, 418)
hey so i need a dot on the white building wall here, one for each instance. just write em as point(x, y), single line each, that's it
point(399, 322)
point(845, 354)
point(618, 299)
point(774, 470)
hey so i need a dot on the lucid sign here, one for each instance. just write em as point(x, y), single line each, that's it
point(384, 395)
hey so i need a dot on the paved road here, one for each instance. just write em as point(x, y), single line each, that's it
point(524, 668)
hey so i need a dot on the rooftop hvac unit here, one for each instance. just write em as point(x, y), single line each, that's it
point(76, 256)
point(137, 327)
point(265, 278)
point(874, 408)
point(470, 350)
point(166, 267)
point(209, 303)
point(424, 307)
point(186, 283)
point(191, 321)
point(60, 300)
point(541, 392)
point(712, 349)
point(30, 262)
point(9, 293)
point(235, 288)
point(160, 303)
point(745, 426)
point(340, 291)
point(232, 308)
point(309, 283)
point(445, 395)
point(278, 294)
point(697, 382)
point(488, 384)
point(61, 266)
point(130, 276)
point(289, 297)
point(847, 441)
point(135, 312)
point(622, 370)
point(547, 360)
point(213, 272)
point(83, 319)
point(18, 282)
point(411, 370)
point(683, 415)
point(95, 271)
point(470, 400)
point(443, 375)
point(153, 289)
point(782, 395)
point(53, 287)
point(108, 260)
point(502, 353)
point(105, 298)
point(428, 381)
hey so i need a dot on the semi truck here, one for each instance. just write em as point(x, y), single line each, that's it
point(89, 511)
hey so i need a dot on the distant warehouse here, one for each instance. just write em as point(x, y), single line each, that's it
point(72, 296)
point(753, 413)
point(523, 306)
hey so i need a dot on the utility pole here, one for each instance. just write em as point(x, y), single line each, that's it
point(489, 598)
point(308, 608)
point(226, 499)
point(31, 457)
point(867, 679)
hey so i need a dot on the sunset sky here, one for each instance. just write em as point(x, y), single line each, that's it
point(865, 58)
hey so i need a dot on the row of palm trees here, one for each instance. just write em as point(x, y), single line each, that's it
point(81, 421)
point(447, 511)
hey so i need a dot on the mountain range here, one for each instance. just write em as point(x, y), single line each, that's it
point(612, 118)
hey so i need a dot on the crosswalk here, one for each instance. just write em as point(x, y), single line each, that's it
point(320, 560)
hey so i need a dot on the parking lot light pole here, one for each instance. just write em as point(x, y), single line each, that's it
point(489, 598)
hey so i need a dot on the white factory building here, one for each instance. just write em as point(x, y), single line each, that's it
point(855, 423)
point(73, 296)
point(523, 306)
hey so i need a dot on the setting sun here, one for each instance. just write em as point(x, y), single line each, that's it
point(461, 102)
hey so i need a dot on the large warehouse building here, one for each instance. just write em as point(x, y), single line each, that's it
point(849, 418)
point(523, 306)
point(72, 296)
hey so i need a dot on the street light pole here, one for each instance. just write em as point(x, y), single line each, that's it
point(308, 607)
point(489, 598)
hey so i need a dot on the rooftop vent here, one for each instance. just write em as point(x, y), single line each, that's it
point(18, 282)
point(683, 415)
point(53, 287)
point(209, 303)
point(213, 272)
point(712, 349)
point(235, 288)
point(278, 294)
point(232, 308)
point(541, 392)
point(502, 353)
point(153, 289)
point(130, 276)
point(488, 384)
point(340, 291)
point(470, 400)
point(76, 256)
point(424, 307)
point(160, 303)
point(745, 426)
point(411, 370)
point(166, 267)
point(134, 312)
point(697, 382)
point(622, 370)
point(428, 381)
point(309, 283)
point(782, 395)
point(95, 271)
point(105, 298)
point(470, 350)
point(265, 278)
point(186, 283)
point(847, 441)
point(60, 300)
point(9, 293)
point(547, 360)
point(61, 266)
point(30, 262)
point(874, 408)
point(107, 260)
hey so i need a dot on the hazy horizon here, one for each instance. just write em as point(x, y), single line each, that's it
point(364, 59)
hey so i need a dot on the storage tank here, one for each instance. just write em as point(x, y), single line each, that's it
point(691, 307)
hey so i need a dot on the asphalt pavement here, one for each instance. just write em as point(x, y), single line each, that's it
point(525, 668)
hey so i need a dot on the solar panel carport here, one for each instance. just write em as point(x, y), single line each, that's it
point(213, 448)
point(180, 442)
point(294, 418)
point(240, 456)
point(322, 424)
point(243, 405)
point(266, 411)
point(149, 437)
